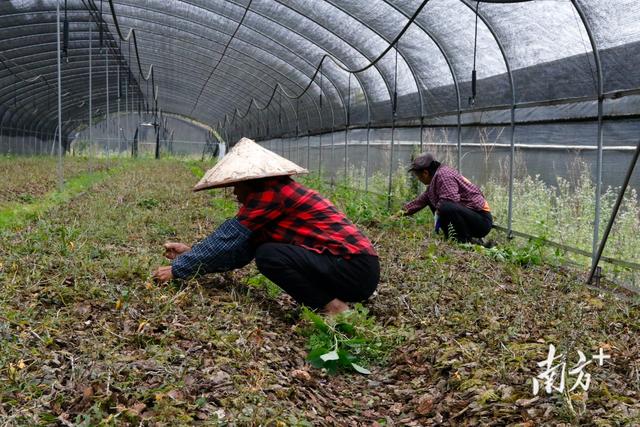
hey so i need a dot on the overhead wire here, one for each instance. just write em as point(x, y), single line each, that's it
point(337, 62)
point(132, 34)
point(224, 51)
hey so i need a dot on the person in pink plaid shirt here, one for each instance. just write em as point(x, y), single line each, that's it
point(459, 207)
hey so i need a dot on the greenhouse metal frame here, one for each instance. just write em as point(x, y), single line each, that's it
point(281, 71)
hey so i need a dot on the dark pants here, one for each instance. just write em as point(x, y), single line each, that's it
point(466, 222)
point(315, 279)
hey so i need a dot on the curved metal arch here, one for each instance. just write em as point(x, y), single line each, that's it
point(356, 48)
point(439, 45)
point(383, 37)
point(324, 57)
point(287, 63)
point(102, 73)
point(90, 15)
point(449, 63)
point(101, 93)
point(101, 103)
point(241, 61)
point(312, 79)
point(54, 72)
point(242, 53)
point(303, 59)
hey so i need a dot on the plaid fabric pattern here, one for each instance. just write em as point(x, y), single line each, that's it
point(225, 249)
point(284, 211)
point(449, 184)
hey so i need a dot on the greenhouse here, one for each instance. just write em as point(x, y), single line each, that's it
point(313, 287)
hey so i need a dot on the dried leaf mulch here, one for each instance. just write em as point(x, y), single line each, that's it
point(87, 339)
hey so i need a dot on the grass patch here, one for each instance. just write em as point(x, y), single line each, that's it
point(15, 214)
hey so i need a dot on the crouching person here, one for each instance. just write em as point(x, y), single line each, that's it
point(459, 207)
point(298, 239)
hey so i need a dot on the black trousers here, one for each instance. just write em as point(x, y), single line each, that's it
point(466, 222)
point(315, 279)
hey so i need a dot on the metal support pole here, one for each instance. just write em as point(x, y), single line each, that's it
point(118, 129)
point(107, 124)
point(346, 130)
point(157, 127)
point(393, 131)
point(90, 147)
point(60, 170)
point(512, 153)
point(459, 161)
point(126, 106)
point(394, 110)
point(366, 170)
point(614, 213)
point(308, 150)
point(421, 132)
point(24, 142)
point(600, 90)
point(320, 156)
point(333, 148)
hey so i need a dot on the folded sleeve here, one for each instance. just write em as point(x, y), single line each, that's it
point(225, 249)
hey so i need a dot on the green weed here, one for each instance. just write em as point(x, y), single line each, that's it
point(261, 282)
point(349, 341)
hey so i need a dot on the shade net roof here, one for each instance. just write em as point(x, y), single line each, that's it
point(284, 66)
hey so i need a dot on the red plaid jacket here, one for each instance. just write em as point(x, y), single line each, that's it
point(285, 211)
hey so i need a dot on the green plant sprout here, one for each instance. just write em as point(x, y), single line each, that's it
point(347, 342)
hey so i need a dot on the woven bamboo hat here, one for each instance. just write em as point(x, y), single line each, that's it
point(247, 160)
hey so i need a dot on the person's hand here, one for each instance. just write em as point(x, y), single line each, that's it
point(163, 274)
point(173, 249)
point(436, 223)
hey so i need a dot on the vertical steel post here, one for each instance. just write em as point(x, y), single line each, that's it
point(346, 130)
point(60, 170)
point(126, 103)
point(107, 124)
point(366, 170)
point(394, 106)
point(24, 142)
point(90, 92)
point(600, 90)
point(118, 125)
point(459, 159)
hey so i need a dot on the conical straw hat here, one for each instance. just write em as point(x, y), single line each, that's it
point(247, 160)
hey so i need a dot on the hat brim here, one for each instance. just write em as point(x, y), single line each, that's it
point(247, 161)
point(232, 182)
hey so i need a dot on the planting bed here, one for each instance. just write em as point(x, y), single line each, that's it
point(87, 339)
point(26, 178)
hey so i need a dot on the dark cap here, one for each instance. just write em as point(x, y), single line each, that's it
point(423, 161)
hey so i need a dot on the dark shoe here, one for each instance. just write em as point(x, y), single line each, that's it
point(489, 244)
point(476, 241)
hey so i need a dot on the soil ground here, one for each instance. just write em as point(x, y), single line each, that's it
point(87, 339)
